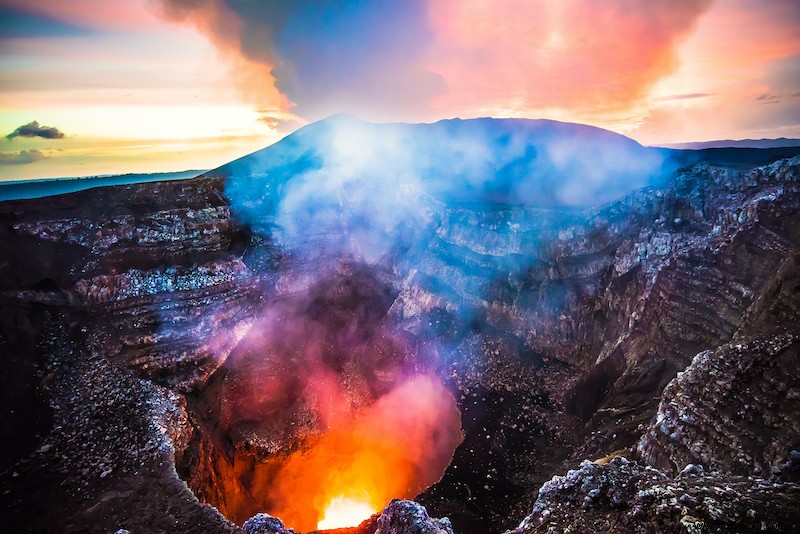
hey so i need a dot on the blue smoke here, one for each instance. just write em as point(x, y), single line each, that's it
point(346, 187)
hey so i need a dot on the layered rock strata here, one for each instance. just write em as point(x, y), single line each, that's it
point(561, 333)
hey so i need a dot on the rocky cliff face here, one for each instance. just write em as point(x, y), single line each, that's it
point(661, 326)
point(147, 262)
point(731, 410)
point(108, 295)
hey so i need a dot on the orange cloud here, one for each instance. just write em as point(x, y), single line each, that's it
point(745, 55)
point(250, 65)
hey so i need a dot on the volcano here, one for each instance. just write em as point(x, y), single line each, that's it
point(521, 325)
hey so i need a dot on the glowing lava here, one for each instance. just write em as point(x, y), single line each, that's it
point(345, 512)
point(394, 448)
point(343, 413)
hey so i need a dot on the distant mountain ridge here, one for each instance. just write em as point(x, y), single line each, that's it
point(45, 187)
point(298, 152)
point(781, 142)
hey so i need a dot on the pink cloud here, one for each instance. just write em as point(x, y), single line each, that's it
point(448, 57)
point(606, 62)
point(575, 54)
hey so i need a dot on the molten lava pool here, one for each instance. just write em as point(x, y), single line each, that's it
point(394, 448)
point(345, 512)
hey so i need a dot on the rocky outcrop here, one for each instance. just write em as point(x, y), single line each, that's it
point(623, 496)
point(265, 524)
point(729, 414)
point(123, 290)
point(398, 517)
point(168, 286)
point(734, 410)
point(107, 461)
point(206, 227)
point(174, 325)
point(408, 517)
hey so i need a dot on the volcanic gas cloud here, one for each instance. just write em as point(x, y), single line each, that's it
point(325, 412)
point(329, 408)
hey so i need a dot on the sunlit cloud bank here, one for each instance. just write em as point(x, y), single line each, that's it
point(623, 65)
point(406, 60)
point(131, 92)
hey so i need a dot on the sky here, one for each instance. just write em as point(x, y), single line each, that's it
point(99, 86)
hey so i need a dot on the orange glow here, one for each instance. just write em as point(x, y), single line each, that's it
point(343, 413)
point(394, 448)
point(345, 512)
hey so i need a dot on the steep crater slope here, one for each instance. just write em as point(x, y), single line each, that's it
point(104, 319)
point(620, 309)
point(156, 324)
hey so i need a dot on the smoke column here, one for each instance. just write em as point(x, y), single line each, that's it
point(346, 399)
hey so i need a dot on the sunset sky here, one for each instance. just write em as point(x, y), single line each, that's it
point(159, 85)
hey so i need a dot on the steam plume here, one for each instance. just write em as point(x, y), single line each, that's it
point(355, 208)
point(349, 407)
point(342, 185)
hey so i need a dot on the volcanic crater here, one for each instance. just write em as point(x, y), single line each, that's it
point(306, 334)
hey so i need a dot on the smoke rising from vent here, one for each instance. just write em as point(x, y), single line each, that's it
point(393, 448)
point(346, 400)
point(348, 407)
point(343, 185)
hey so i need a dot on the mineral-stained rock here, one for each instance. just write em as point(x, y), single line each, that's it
point(173, 325)
point(265, 524)
point(168, 285)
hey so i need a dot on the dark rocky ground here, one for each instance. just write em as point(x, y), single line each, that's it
point(651, 334)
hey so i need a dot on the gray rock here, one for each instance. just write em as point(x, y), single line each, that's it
point(409, 517)
point(265, 524)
